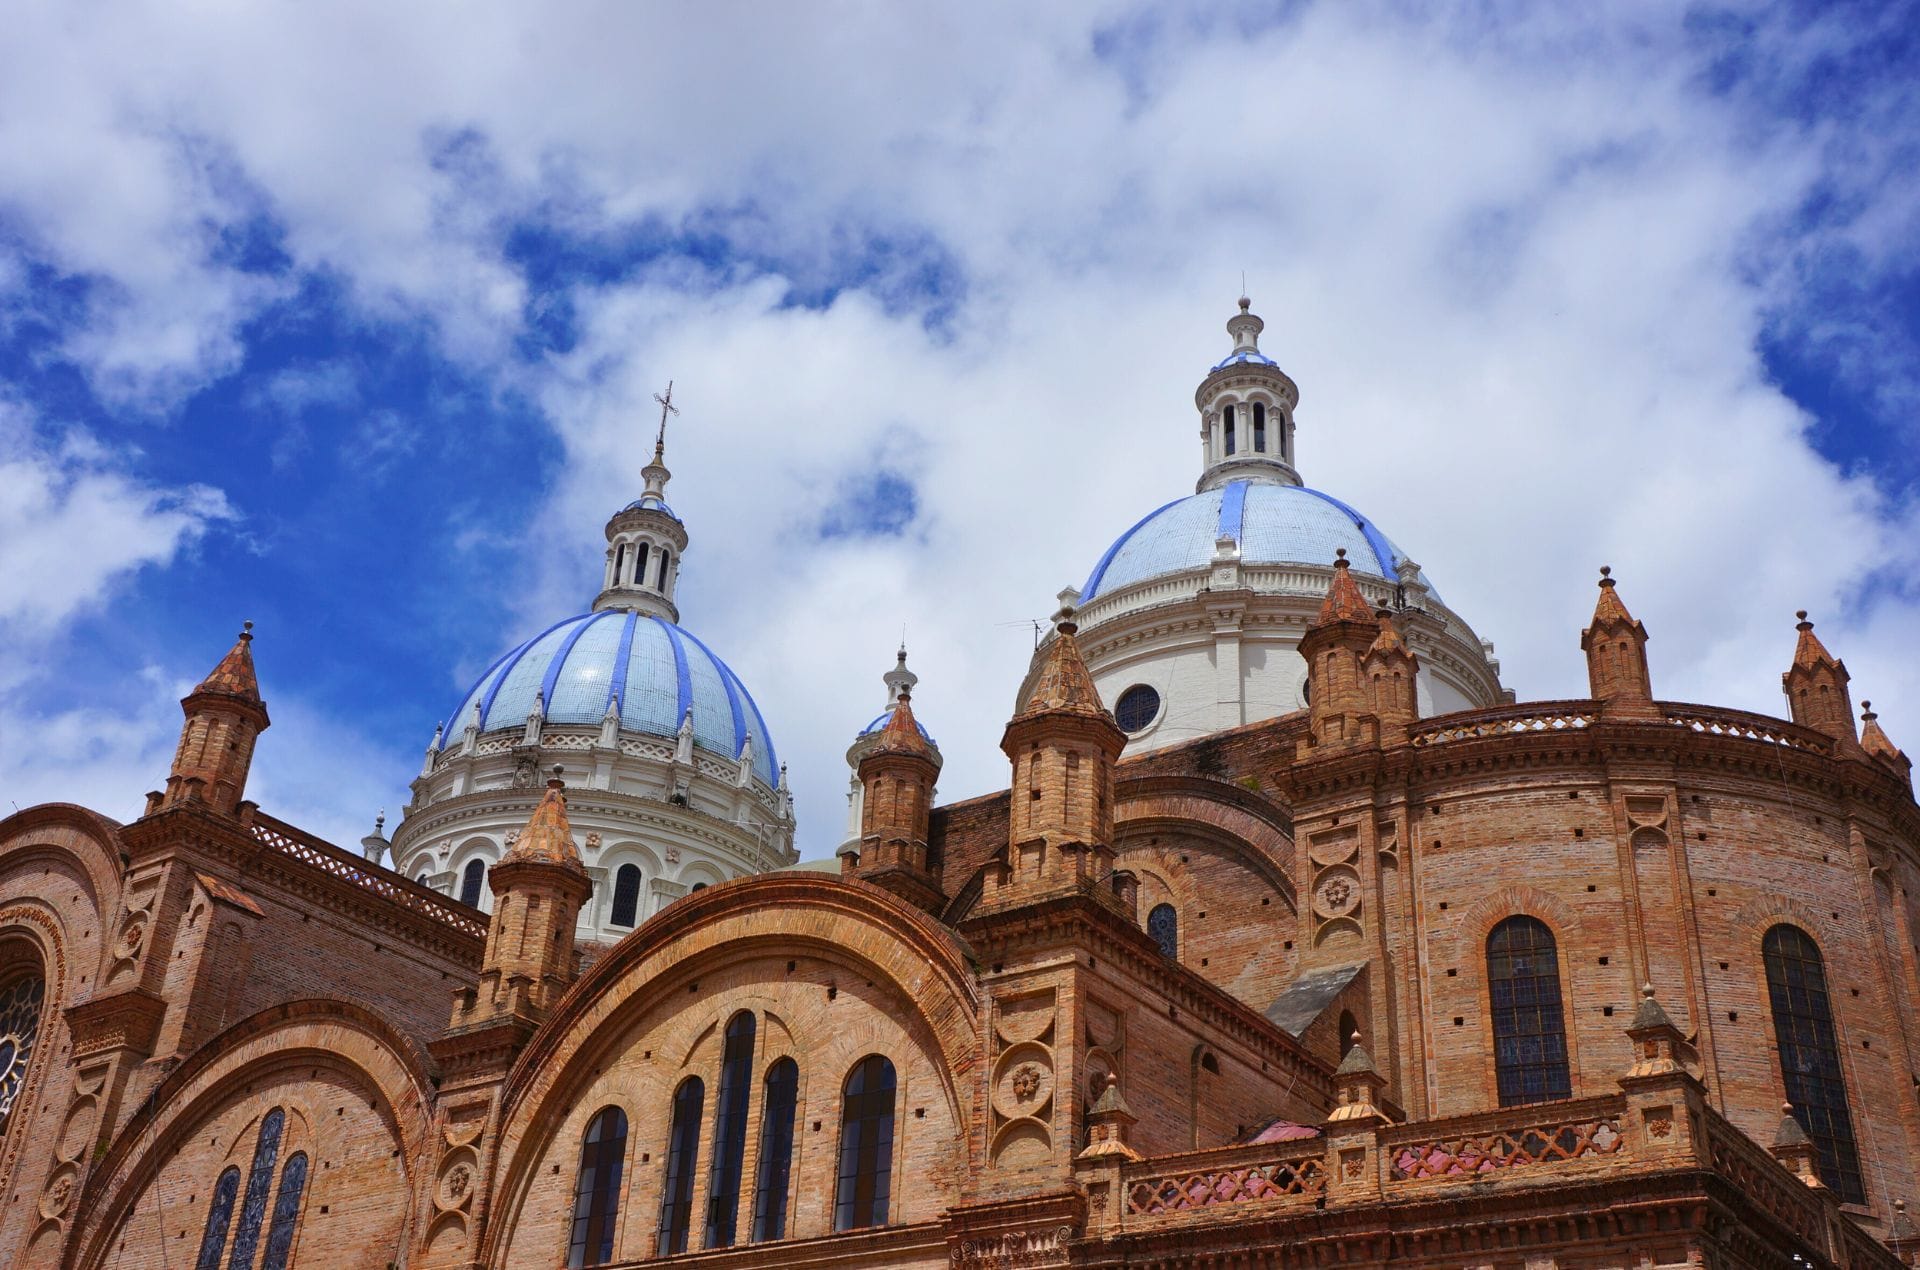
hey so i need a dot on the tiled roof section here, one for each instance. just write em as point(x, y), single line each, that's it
point(1279, 1130)
point(548, 837)
point(231, 894)
point(902, 735)
point(234, 675)
point(1609, 609)
point(1810, 651)
point(1064, 686)
point(1344, 603)
point(1872, 738)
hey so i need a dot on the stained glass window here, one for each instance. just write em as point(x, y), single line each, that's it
point(1163, 923)
point(253, 1208)
point(470, 879)
point(19, 1032)
point(596, 1193)
point(730, 1132)
point(683, 1152)
point(1810, 1057)
point(776, 1151)
point(286, 1212)
point(626, 895)
point(1529, 1032)
point(213, 1240)
point(866, 1145)
point(1138, 706)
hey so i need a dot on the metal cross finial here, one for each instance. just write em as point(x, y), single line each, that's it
point(666, 408)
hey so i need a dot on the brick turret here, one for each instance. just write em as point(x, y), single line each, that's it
point(1877, 745)
point(225, 714)
point(1391, 673)
point(538, 888)
point(897, 777)
point(1816, 688)
point(1340, 707)
point(1063, 745)
point(1616, 649)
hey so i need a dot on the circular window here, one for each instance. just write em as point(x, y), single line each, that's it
point(1138, 706)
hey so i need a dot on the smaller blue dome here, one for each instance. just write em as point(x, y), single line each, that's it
point(656, 671)
point(648, 502)
point(1245, 357)
point(881, 720)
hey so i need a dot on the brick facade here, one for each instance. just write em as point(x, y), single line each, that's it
point(1308, 1079)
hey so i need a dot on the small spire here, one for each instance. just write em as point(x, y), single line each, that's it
point(234, 676)
point(1609, 609)
point(1790, 1134)
point(548, 837)
point(1809, 651)
point(899, 681)
point(1873, 739)
point(1344, 602)
point(902, 734)
point(1064, 684)
point(1388, 640)
point(1649, 1013)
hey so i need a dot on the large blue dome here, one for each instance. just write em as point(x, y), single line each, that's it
point(655, 669)
point(1274, 524)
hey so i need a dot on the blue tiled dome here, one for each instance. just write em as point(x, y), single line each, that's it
point(1274, 524)
point(880, 721)
point(653, 667)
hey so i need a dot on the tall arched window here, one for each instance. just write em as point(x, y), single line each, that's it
point(596, 1191)
point(253, 1207)
point(213, 1240)
point(730, 1132)
point(19, 1033)
point(1810, 1057)
point(1163, 923)
point(286, 1212)
point(1348, 1026)
point(683, 1154)
point(620, 564)
point(1529, 1032)
point(1260, 427)
point(470, 879)
point(866, 1145)
point(641, 553)
point(626, 895)
point(776, 1151)
point(1228, 429)
point(665, 560)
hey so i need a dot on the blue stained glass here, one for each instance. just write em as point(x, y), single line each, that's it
point(1163, 924)
point(213, 1241)
point(253, 1210)
point(730, 1132)
point(286, 1211)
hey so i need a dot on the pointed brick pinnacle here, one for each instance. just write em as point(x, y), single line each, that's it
point(1872, 738)
point(1388, 640)
point(1790, 1133)
point(548, 837)
point(1649, 1013)
point(1609, 609)
point(902, 733)
point(1810, 652)
point(234, 675)
point(1357, 1062)
point(1064, 686)
point(1344, 603)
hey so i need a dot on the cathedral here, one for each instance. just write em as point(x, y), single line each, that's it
point(1294, 940)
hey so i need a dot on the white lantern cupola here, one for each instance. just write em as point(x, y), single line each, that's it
point(1246, 413)
point(645, 541)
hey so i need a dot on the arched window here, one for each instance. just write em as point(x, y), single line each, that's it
point(213, 1240)
point(1163, 923)
point(697, 886)
point(683, 1153)
point(620, 564)
point(665, 560)
point(286, 1212)
point(626, 895)
point(253, 1207)
point(1260, 427)
point(866, 1145)
point(19, 1033)
point(1529, 1033)
point(730, 1132)
point(776, 1151)
point(470, 879)
point(1229, 429)
point(641, 552)
point(424, 875)
point(1348, 1027)
point(1810, 1057)
point(596, 1191)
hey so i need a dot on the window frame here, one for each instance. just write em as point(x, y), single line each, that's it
point(1844, 1176)
point(603, 1150)
point(1510, 1076)
point(869, 1163)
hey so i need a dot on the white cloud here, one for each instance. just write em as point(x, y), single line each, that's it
point(1519, 273)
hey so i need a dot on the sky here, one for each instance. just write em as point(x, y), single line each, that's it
point(345, 319)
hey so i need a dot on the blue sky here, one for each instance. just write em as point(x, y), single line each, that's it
point(346, 321)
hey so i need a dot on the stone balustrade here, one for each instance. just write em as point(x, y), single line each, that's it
point(349, 868)
point(1532, 716)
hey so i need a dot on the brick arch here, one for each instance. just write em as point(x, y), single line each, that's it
point(1490, 910)
point(1235, 819)
point(73, 836)
point(848, 923)
point(40, 930)
point(1755, 918)
point(328, 1033)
